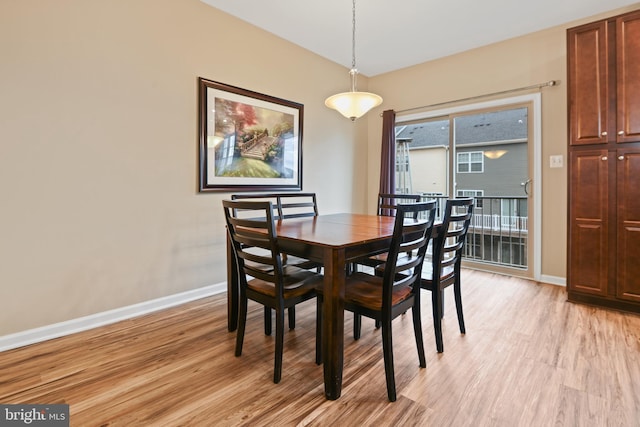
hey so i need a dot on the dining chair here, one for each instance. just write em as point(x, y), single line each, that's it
point(387, 204)
point(252, 231)
point(287, 206)
point(444, 268)
point(383, 298)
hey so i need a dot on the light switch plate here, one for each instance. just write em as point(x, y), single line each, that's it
point(556, 161)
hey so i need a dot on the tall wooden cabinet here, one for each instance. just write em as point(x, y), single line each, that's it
point(604, 162)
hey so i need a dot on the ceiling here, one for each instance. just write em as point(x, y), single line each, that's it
point(395, 34)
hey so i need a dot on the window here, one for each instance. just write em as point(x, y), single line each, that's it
point(470, 162)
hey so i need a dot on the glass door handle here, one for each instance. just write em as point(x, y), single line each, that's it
point(526, 186)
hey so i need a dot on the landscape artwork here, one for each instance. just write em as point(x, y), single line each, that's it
point(248, 141)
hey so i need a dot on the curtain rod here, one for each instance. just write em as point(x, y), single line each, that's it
point(537, 86)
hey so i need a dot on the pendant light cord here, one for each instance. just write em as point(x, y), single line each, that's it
point(353, 38)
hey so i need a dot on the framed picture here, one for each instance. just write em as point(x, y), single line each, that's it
point(248, 141)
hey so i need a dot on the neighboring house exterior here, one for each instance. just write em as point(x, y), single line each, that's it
point(486, 134)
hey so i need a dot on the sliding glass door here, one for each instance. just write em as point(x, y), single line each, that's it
point(485, 153)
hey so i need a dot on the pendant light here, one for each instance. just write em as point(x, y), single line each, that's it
point(353, 104)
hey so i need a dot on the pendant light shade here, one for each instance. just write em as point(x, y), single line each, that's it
point(353, 104)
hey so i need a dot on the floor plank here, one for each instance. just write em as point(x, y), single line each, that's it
point(529, 358)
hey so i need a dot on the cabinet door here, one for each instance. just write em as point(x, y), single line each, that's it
point(588, 78)
point(628, 251)
point(588, 228)
point(628, 73)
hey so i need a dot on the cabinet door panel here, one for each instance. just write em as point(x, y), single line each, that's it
point(628, 253)
point(588, 90)
point(628, 72)
point(588, 212)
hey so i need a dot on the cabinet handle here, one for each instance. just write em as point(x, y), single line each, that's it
point(604, 157)
point(620, 157)
point(604, 134)
point(620, 132)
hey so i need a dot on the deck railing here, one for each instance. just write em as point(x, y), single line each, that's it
point(498, 233)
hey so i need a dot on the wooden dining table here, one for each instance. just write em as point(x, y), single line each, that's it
point(334, 240)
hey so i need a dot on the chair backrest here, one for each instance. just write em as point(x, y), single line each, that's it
point(296, 205)
point(447, 247)
point(411, 235)
point(286, 205)
point(387, 202)
point(252, 230)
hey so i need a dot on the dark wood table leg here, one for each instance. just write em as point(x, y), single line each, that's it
point(232, 289)
point(333, 322)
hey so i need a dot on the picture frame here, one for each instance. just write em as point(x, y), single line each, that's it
point(248, 141)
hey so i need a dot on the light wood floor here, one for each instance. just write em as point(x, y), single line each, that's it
point(529, 358)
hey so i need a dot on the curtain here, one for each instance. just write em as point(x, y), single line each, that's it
point(388, 157)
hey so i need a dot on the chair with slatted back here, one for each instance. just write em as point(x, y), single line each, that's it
point(287, 206)
point(252, 231)
point(387, 297)
point(387, 204)
point(444, 268)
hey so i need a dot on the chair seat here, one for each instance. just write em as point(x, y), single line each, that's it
point(263, 275)
point(296, 282)
point(366, 290)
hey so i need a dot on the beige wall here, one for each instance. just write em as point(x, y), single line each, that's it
point(519, 62)
point(98, 143)
point(98, 148)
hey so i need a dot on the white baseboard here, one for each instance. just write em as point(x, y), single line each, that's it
point(80, 324)
point(553, 280)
